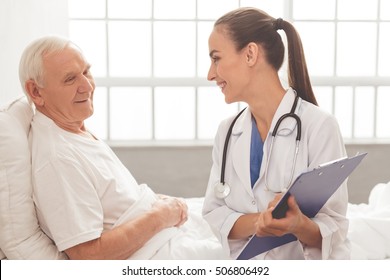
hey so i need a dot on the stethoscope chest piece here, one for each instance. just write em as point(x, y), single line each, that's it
point(222, 190)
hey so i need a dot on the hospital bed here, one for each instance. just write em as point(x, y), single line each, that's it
point(22, 238)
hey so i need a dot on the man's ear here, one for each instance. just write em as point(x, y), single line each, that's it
point(32, 90)
point(252, 53)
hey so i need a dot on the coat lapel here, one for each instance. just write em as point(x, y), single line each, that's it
point(284, 145)
point(241, 136)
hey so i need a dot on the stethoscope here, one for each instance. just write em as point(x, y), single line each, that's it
point(222, 189)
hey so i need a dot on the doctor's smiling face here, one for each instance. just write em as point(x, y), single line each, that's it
point(228, 66)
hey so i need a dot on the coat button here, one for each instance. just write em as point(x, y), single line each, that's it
point(253, 202)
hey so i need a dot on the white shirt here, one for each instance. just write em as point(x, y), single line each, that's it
point(321, 142)
point(80, 187)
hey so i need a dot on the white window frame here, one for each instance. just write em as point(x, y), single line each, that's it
point(196, 82)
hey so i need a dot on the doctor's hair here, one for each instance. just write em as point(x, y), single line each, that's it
point(246, 25)
point(31, 62)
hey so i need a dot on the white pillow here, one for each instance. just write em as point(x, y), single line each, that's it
point(20, 234)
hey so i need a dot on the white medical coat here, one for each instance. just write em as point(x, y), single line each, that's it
point(321, 142)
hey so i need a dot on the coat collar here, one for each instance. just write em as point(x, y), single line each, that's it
point(285, 128)
point(243, 129)
point(288, 125)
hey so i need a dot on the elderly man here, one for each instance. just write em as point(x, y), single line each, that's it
point(86, 200)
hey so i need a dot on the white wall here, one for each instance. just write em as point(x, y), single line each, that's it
point(22, 21)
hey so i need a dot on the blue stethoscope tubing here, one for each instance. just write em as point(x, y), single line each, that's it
point(222, 189)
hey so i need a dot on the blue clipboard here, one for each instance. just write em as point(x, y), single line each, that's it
point(311, 190)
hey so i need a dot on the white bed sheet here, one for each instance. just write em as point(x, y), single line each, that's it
point(193, 240)
point(369, 230)
point(369, 227)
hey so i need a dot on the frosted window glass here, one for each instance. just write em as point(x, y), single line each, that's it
point(318, 44)
point(174, 49)
point(131, 113)
point(97, 123)
point(130, 48)
point(318, 9)
point(324, 96)
point(213, 9)
point(356, 49)
point(344, 109)
point(93, 47)
point(212, 109)
point(164, 39)
point(174, 9)
point(384, 47)
point(364, 112)
point(383, 112)
point(204, 30)
point(174, 113)
point(385, 9)
point(357, 9)
point(271, 7)
point(132, 9)
point(87, 8)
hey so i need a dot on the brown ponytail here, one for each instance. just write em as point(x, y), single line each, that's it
point(298, 75)
point(245, 25)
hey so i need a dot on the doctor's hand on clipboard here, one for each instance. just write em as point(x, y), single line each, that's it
point(313, 188)
point(310, 190)
point(284, 221)
point(267, 225)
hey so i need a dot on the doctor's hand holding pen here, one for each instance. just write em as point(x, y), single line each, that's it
point(264, 224)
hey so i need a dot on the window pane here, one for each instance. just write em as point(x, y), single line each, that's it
point(383, 112)
point(177, 47)
point(343, 109)
point(130, 113)
point(97, 123)
point(318, 44)
point(82, 8)
point(384, 47)
point(204, 30)
point(93, 47)
point(213, 9)
point(357, 9)
point(356, 43)
point(324, 96)
point(212, 109)
point(272, 7)
point(385, 9)
point(130, 55)
point(318, 9)
point(129, 9)
point(364, 112)
point(174, 9)
point(174, 113)
point(174, 49)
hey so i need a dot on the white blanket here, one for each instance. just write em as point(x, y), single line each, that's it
point(369, 231)
point(369, 228)
point(193, 240)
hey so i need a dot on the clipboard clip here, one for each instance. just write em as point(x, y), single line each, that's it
point(337, 160)
point(331, 162)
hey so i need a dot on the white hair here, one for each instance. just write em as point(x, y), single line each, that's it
point(31, 61)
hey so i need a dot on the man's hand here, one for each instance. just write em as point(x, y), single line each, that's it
point(172, 211)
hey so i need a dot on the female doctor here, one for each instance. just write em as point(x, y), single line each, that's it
point(246, 54)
